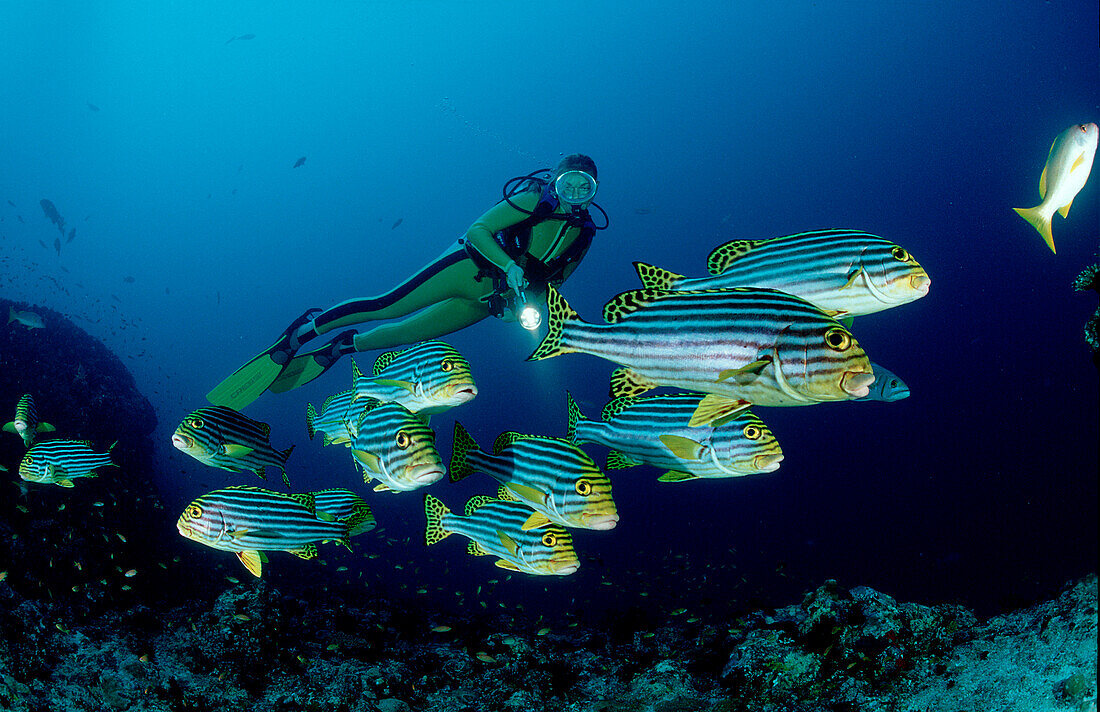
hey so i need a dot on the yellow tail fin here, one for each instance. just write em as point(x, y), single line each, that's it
point(1040, 222)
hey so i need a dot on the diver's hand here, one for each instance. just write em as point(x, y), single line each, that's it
point(513, 275)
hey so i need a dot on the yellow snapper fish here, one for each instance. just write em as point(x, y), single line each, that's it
point(429, 377)
point(1064, 175)
point(26, 424)
point(27, 318)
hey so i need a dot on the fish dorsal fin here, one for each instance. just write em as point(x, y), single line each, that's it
point(681, 447)
point(626, 383)
point(536, 520)
point(474, 549)
point(384, 360)
point(334, 396)
point(356, 374)
point(723, 256)
point(627, 303)
point(619, 461)
point(249, 488)
point(253, 561)
point(507, 438)
point(265, 429)
point(747, 373)
point(655, 277)
point(506, 494)
point(508, 542)
point(309, 551)
point(674, 476)
point(476, 502)
point(508, 565)
point(715, 409)
point(617, 406)
point(307, 500)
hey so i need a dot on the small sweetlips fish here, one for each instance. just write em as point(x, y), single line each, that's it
point(221, 437)
point(396, 448)
point(26, 424)
point(1064, 175)
point(339, 418)
point(495, 528)
point(887, 387)
point(60, 462)
point(845, 273)
point(249, 521)
point(654, 431)
point(429, 377)
point(341, 504)
point(744, 346)
point(552, 476)
point(28, 319)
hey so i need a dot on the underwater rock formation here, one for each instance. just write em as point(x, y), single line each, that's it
point(1090, 279)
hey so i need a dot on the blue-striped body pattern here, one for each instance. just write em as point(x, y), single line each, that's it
point(338, 421)
point(654, 431)
point(495, 528)
point(745, 346)
point(59, 462)
point(221, 437)
point(429, 377)
point(846, 273)
point(888, 386)
point(551, 476)
point(248, 521)
point(396, 448)
point(26, 424)
point(341, 504)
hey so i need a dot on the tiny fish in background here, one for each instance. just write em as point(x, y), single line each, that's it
point(396, 223)
point(248, 36)
point(72, 236)
point(27, 318)
point(300, 162)
point(128, 279)
point(51, 212)
point(57, 245)
point(92, 107)
point(1064, 175)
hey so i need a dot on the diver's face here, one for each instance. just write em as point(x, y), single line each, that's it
point(576, 188)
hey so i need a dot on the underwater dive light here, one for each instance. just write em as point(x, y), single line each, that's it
point(529, 316)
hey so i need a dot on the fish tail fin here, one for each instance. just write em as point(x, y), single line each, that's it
point(360, 520)
point(285, 454)
point(655, 277)
point(464, 443)
point(575, 416)
point(434, 511)
point(1041, 222)
point(311, 415)
point(559, 312)
point(11, 314)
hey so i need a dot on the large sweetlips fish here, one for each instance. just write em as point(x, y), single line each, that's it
point(845, 273)
point(654, 431)
point(59, 462)
point(396, 448)
point(428, 377)
point(222, 437)
point(743, 346)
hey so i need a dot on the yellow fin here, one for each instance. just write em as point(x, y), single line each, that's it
point(47, 428)
point(1077, 163)
point(506, 565)
point(629, 302)
point(674, 476)
point(474, 549)
point(410, 387)
point(536, 520)
point(527, 492)
point(508, 542)
point(64, 483)
point(1064, 210)
point(1040, 222)
point(234, 450)
point(369, 459)
point(252, 561)
point(1043, 180)
point(655, 277)
point(681, 447)
point(506, 494)
point(852, 280)
point(723, 256)
point(381, 487)
point(620, 461)
point(309, 551)
point(715, 407)
point(747, 373)
point(627, 383)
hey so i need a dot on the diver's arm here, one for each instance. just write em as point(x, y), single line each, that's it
point(482, 233)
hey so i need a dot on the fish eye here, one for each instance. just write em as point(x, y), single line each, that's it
point(197, 423)
point(751, 432)
point(447, 365)
point(583, 488)
point(900, 254)
point(194, 511)
point(403, 439)
point(837, 339)
point(549, 539)
point(894, 383)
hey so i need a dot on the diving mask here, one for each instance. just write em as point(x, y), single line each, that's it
point(575, 188)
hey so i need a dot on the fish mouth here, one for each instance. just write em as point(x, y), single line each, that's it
point(600, 522)
point(767, 463)
point(857, 383)
point(181, 442)
point(184, 529)
point(920, 283)
point(464, 394)
point(425, 474)
point(565, 567)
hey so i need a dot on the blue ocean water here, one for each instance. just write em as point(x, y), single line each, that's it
point(170, 149)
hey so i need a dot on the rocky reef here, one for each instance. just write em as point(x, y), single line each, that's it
point(1089, 280)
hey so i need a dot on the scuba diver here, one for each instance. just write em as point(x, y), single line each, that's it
point(535, 236)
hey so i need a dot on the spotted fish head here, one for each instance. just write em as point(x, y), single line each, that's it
point(744, 446)
point(816, 359)
point(398, 448)
point(194, 437)
point(891, 275)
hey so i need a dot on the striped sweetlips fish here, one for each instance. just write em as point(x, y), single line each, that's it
point(428, 377)
point(338, 420)
point(845, 273)
point(249, 521)
point(654, 431)
point(552, 476)
point(396, 448)
point(495, 528)
point(341, 504)
point(26, 424)
point(887, 387)
point(60, 462)
point(744, 346)
point(219, 436)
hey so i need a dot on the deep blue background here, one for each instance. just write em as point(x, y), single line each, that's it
point(722, 121)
